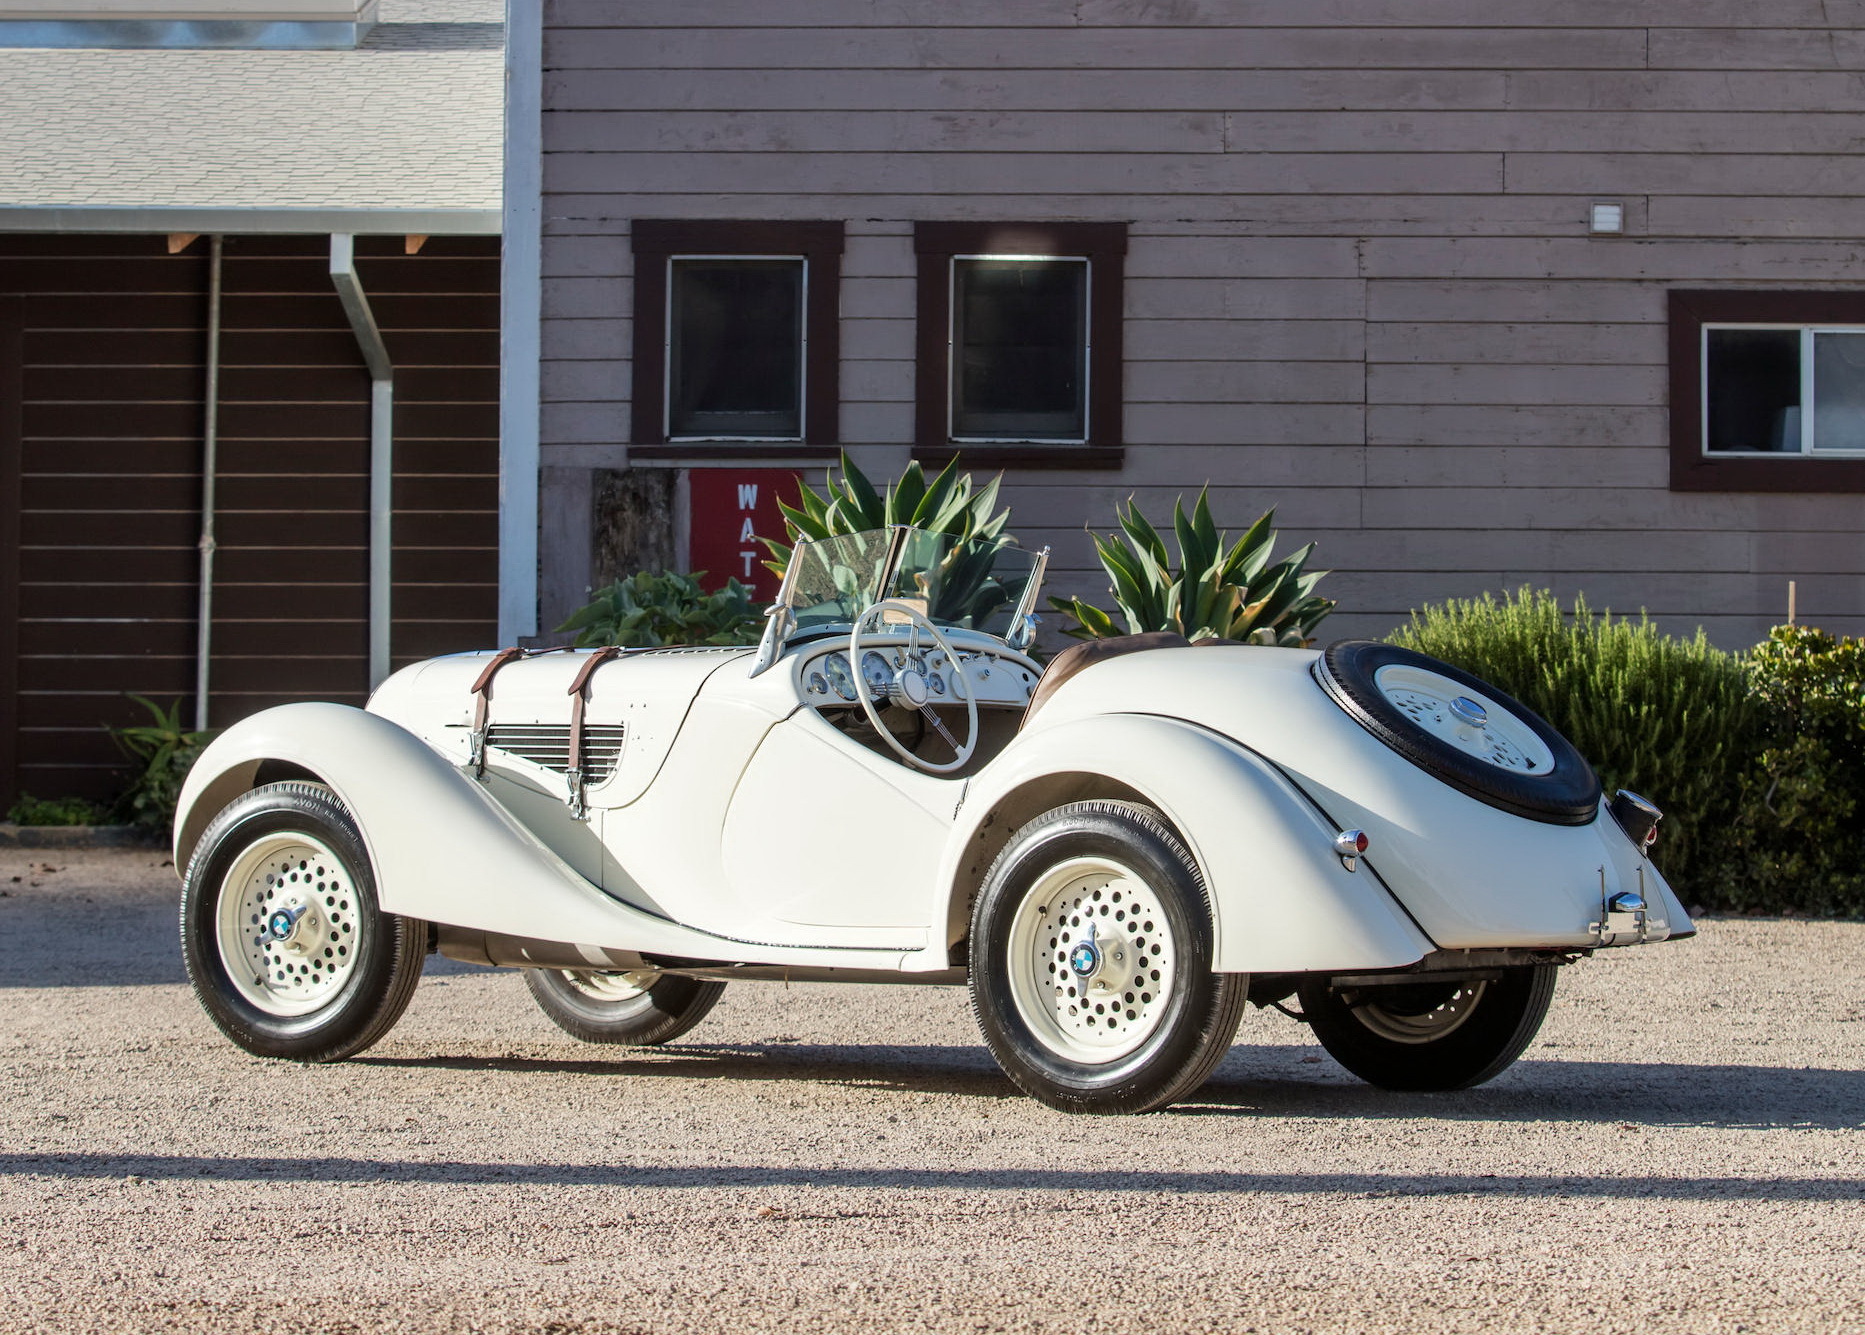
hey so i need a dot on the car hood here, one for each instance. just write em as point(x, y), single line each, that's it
point(644, 694)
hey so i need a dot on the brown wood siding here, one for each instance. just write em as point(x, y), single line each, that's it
point(1359, 283)
point(12, 328)
point(112, 381)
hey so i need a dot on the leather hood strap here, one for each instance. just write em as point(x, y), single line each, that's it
point(482, 700)
point(579, 699)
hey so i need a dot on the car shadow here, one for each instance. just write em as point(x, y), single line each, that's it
point(1621, 1093)
point(919, 1069)
point(75, 937)
point(89, 937)
point(1074, 1179)
point(1631, 1095)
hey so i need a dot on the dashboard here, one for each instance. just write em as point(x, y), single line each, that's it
point(828, 677)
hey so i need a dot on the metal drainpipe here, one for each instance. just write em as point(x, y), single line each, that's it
point(381, 444)
point(210, 456)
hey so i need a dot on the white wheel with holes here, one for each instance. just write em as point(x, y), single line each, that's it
point(606, 986)
point(287, 924)
point(641, 1009)
point(286, 947)
point(1463, 717)
point(1091, 962)
point(1425, 1035)
point(1091, 972)
point(1461, 730)
point(1416, 1023)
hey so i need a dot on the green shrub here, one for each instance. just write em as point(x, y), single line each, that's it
point(1796, 829)
point(1214, 592)
point(166, 751)
point(654, 609)
point(948, 504)
point(30, 810)
point(1669, 718)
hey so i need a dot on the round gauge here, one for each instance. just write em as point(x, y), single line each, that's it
point(877, 673)
point(818, 684)
point(836, 665)
point(1454, 714)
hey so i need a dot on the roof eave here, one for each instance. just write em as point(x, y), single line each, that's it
point(252, 221)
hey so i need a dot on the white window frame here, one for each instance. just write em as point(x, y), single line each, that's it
point(1807, 406)
point(952, 359)
point(802, 431)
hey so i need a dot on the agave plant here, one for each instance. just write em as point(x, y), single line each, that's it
point(1215, 591)
point(165, 749)
point(948, 504)
point(652, 609)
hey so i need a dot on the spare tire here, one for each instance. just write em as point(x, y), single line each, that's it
point(1462, 731)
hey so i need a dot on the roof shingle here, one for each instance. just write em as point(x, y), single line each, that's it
point(411, 119)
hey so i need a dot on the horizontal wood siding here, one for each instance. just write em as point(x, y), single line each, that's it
point(110, 455)
point(1359, 283)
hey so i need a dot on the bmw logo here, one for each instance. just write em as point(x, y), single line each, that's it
point(1085, 958)
point(280, 924)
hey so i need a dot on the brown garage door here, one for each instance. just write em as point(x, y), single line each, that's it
point(107, 365)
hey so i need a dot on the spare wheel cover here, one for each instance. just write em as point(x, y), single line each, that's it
point(1461, 730)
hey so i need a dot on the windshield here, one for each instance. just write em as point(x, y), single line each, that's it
point(966, 584)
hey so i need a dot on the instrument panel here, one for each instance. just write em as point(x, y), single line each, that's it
point(829, 679)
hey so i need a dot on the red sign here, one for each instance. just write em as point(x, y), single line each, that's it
point(731, 508)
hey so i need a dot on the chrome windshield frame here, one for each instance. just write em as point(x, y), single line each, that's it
point(783, 623)
point(890, 564)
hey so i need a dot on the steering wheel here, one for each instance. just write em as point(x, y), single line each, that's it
point(910, 686)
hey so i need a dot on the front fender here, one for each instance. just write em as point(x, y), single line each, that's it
point(1281, 899)
point(442, 849)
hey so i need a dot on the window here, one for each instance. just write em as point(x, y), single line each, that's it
point(736, 343)
point(1020, 342)
point(1767, 391)
point(735, 348)
point(1781, 389)
point(1020, 348)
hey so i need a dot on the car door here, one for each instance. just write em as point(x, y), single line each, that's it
point(828, 843)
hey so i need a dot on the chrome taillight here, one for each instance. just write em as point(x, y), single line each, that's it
point(1350, 844)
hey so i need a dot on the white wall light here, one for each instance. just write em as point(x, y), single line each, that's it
point(1606, 219)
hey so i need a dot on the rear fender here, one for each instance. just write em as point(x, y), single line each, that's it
point(1281, 899)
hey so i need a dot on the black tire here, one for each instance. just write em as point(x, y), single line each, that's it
point(657, 1014)
point(353, 967)
point(1484, 1027)
point(1047, 1045)
point(1567, 793)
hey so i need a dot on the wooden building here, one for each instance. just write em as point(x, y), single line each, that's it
point(1565, 293)
point(168, 244)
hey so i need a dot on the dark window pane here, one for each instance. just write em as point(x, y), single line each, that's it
point(735, 360)
point(1753, 395)
point(1839, 391)
point(1019, 349)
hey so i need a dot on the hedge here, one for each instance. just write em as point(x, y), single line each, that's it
point(1757, 759)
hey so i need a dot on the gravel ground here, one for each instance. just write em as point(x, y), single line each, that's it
point(1679, 1152)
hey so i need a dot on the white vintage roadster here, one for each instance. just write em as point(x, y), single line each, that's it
point(1116, 853)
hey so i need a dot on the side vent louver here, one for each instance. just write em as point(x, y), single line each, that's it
point(548, 744)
